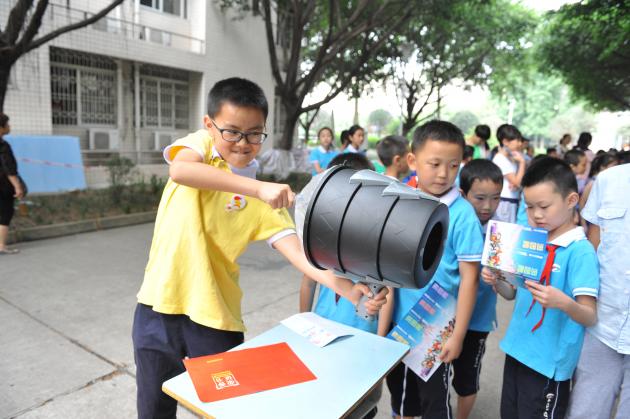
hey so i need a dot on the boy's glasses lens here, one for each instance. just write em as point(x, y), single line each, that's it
point(235, 136)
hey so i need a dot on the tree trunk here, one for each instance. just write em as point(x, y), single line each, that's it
point(290, 122)
point(407, 126)
point(5, 72)
point(307, 129)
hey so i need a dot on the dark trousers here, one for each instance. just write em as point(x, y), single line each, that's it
point(528, 394)
point(411, 396)
point(160, 342)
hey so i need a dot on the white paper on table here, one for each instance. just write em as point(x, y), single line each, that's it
point(318, 330)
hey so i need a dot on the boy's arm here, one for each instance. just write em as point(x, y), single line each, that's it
point(583, 309)
point(386, 314)
point(188, 169)
point(466, 298)
point(516, 178)
point(19, 192)
point(290, 248)
point(307, 293)
point(593, 235)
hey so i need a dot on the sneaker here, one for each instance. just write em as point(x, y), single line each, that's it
point(8, 251)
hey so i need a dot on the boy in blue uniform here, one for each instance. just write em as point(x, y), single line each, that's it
point(436, 152)
point(481, 182)
point(392, 152)
point(543, 341)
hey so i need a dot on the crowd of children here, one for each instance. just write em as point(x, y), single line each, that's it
point(212, 207)
point(545, 334)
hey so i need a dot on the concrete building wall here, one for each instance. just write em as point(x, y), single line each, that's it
point(208, 44)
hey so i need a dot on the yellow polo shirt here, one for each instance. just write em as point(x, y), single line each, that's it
point(198, 236)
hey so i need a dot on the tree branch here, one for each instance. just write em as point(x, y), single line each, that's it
point(15, 21)
point(24, 48)
point(271, 45)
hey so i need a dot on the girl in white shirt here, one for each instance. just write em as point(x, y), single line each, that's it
point(512, 164)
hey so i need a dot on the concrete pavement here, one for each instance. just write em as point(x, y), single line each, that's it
point(66, 308)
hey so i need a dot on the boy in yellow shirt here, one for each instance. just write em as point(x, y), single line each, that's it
point(212, 207)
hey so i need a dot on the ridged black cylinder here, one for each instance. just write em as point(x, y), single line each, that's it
point(371, 226)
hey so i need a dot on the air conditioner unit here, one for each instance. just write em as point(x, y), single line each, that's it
point(103, 139)
point(162, 139)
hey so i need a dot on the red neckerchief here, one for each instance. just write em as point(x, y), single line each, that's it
point(546, 278)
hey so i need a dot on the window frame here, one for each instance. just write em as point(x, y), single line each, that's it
point(158, 6)
point(173, 99)
point(79, 70)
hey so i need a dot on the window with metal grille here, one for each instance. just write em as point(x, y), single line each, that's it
point(83, 88)
point(163, 97)
point(173, 7)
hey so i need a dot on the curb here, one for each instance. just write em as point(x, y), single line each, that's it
point(76, 227)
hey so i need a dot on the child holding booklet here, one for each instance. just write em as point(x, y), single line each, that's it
point(543, 341)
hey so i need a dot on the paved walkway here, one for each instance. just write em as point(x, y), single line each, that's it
point(66, 308)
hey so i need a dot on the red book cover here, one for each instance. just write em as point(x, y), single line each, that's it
point(237, 373)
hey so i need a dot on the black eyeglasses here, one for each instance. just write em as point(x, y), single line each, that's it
point(234, 136)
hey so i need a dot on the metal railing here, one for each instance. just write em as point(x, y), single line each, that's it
point(62, 15)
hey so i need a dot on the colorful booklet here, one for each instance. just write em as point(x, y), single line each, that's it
point(426, 328)
point(237, 373)
point(514, 252)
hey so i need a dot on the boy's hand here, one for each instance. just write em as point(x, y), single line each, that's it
point(374, 303)
point(548, 296)
point(488, 276)
point(451, 349)
point(19, 192)
point(276, 195)
point(518, 157)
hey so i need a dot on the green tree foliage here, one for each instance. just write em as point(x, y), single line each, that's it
point(461, 40)
point(465, 120)
point(588, 43)
point(341, 43)
point(528, 98)
point(379, 119)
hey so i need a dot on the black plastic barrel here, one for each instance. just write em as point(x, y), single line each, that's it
point(373, 228)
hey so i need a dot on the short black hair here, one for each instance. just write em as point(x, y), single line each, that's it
point(550, 169)
point(483, 132)
point(239, 92)
point(601, 161)
point(356, 161)
point(4, 119)
point(552, 150)
point(390, 147)
point(344, 138)
point(584, 140)
point(437, 130)
point(479, 169)
point(624, 157)
point(353, 129)
point(508, 132)
point(469, 151)
point(322, 129)
point(573, 156)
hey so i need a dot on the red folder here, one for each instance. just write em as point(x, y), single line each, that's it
point(237, 373)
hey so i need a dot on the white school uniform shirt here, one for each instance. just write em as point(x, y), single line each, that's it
point(507, 166)
point(608, 207)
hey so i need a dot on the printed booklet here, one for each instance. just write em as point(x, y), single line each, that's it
point(426, 328)
point(514, 252)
